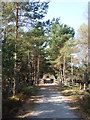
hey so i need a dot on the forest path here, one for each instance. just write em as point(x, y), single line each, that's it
point(51, 104)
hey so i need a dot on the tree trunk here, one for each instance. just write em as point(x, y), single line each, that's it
point(35, 71)
point(11, 82)
point(32, 69)
point(72, 71)
point(15, 56)
point(29, 72)
point(61, 73)
point(38, 65)
point(64, 70)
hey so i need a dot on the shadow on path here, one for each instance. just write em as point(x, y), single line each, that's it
point(51, 104)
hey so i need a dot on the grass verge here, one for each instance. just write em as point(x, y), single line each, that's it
point(79, 100)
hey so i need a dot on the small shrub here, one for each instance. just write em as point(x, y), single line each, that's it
point(10, 106)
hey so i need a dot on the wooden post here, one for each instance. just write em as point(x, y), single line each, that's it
point(84, 86)
point(89, 86)
point(80, 86)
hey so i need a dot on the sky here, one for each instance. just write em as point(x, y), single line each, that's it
point(71, 12)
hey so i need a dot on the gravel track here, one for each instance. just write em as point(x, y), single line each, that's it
point(51, 104)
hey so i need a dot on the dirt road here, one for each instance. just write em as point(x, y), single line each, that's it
point(51, 104)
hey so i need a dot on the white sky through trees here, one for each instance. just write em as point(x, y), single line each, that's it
point(72, 13)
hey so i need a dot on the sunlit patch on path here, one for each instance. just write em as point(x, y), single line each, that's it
point(51, 104)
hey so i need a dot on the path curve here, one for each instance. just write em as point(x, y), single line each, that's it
point(51, 104)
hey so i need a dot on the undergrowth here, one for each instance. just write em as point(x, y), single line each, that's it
point(11, 105)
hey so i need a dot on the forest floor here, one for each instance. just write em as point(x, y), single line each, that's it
point(12, 104)
point(48, 103)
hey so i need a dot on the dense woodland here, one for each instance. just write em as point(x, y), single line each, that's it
point(32, 47)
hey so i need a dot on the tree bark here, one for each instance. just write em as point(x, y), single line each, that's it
point(38, 69)
point(35, 71)
point(15, 56)
point(29, 71)
point(72, 71)
point(61, 73)
point(64, 70)
point(32, 70)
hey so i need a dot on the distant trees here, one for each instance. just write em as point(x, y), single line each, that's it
point(82, 38)
point(60, 42)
